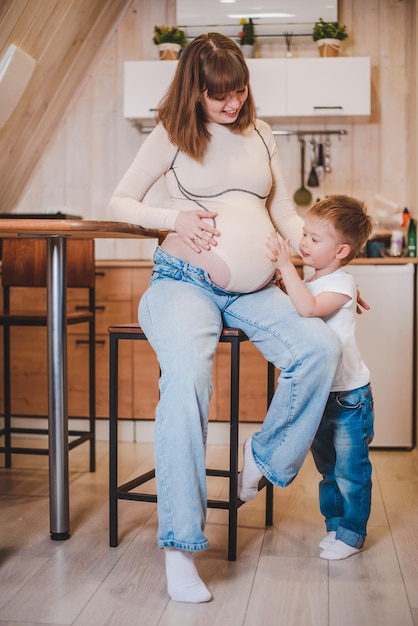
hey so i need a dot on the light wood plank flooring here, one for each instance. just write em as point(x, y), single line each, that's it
point(278, 578)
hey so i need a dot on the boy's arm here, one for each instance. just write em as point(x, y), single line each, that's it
point(303, 300)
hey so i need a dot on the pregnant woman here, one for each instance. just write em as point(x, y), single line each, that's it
point(222, 172)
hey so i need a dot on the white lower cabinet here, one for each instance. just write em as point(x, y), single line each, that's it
point(386, 340)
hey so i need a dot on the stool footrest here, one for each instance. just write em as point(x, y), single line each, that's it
point(139, 497)
point(224, 504)
point(135, 482)
point(218, 472)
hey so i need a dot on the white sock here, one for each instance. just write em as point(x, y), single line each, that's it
point(250, 476)
point(338, 550)
point(328, 540)
point(183, 582)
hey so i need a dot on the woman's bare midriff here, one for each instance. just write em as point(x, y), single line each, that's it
point(207, 260)
point(237, 264)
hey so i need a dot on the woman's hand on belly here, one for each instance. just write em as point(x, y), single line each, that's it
point(236, 261)
point(195, 230)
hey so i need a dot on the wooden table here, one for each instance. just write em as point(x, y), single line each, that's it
point(57, 232)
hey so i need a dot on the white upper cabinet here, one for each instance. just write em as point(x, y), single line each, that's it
point(328, 86)
point(268, 84)
point(311, 86)
point(145, 83)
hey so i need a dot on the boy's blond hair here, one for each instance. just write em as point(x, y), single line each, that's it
point(348, 218)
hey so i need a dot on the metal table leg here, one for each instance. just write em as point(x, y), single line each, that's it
point(57, 389)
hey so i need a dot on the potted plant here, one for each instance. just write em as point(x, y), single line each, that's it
point(247, 37)
point(328, 36)
point(170, 40)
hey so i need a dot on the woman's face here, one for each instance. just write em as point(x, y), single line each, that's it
point(225, 107)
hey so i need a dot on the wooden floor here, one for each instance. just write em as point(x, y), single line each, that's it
point(278, 578)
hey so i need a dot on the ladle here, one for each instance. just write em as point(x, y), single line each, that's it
point(313, 178)
point(302, 196)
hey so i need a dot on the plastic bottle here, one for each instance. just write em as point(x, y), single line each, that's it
point(411, 239)
point(406, 216)
point(396, 243)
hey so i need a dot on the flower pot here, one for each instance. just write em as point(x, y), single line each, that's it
point(248, 51)
point(169, 51)
point(329, 47)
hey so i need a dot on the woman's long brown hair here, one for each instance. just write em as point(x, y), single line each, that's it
point(213, 63)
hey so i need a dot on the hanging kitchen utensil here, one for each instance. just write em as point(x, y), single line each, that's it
point(313, 178)
point(327, 160)
point(320, 164)
point(302, 196)
point(288, 39)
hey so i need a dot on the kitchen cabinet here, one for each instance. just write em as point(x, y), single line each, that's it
point(268, 84)
point(114, 304)
point(385, 336)
point(144, 361)
point(312, 86)
point(386, 340)
point(29, 375)
point(328, 86)
point(29, 350)
point(145, 83)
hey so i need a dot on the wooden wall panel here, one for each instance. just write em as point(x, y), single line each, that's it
point(64, 37)
point(392, 120)
point(364, 41)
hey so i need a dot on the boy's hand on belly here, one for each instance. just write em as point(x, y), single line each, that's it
point(194, 229)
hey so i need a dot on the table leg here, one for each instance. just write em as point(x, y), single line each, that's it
point(57, 389)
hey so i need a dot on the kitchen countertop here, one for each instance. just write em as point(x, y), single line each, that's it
point(296, 260)
point(374, 261)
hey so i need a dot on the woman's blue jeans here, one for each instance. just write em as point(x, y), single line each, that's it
point(341, 454)
point(182, 314)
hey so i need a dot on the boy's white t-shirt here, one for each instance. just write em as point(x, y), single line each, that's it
point(352, 372)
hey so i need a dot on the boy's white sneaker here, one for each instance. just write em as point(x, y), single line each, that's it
point(328, 540)
point(338, 550)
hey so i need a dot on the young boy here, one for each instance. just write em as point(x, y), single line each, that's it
point(335, 230)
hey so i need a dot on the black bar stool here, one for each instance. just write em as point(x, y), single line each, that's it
point(24, 266)
point(234, 337)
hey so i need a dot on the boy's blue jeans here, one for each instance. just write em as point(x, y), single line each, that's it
point(182, 314)
point(341, 454)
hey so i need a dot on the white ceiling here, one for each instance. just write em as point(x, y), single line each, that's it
point(270, 16)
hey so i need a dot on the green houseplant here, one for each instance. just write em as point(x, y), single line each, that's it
point(328, 36)
point(247, 37)
point(328, 30)
point(170, 40)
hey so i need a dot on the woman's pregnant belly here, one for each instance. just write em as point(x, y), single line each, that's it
point(238, 262)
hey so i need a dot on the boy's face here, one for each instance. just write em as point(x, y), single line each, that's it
point(319, 246)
